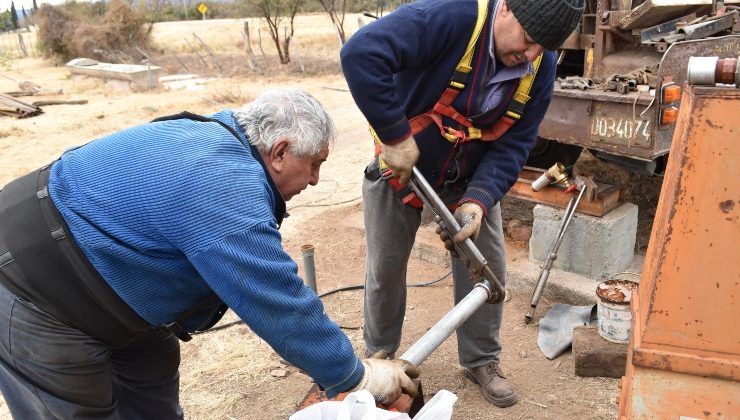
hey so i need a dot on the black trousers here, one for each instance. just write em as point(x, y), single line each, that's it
point(49, 370)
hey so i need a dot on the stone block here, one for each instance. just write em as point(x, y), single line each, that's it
point(595, 247)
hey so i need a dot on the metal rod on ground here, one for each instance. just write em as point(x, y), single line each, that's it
point(309, 268)
point(552, 255)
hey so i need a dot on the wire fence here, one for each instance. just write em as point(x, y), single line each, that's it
point(18, 44)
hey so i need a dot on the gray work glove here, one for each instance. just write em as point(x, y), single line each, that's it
point(401, 158)
point(469, 215)
point(387, 379)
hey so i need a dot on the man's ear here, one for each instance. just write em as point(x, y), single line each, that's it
point(278, 155)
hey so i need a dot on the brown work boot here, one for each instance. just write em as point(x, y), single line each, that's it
point(493, 384)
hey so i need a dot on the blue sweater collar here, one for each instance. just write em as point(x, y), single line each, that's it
point(280, 209)
point(227, 120)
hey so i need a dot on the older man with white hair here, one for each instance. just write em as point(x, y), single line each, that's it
point(123, 245)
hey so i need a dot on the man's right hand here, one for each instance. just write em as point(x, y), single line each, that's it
point(401, 158)
point(387, 379)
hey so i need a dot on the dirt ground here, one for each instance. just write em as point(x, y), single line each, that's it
point(233, 374)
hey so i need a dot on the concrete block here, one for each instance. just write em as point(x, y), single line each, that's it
point(595, 247)
point(144, 76)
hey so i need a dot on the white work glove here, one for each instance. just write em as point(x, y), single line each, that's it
point(386, 379)
point(401, 158)
point(469, 215)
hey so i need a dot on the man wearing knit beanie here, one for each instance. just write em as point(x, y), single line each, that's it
point(397, 69)
point(547, 22)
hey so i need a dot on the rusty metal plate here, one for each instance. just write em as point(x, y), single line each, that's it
point(606, 121)
point(605, 199)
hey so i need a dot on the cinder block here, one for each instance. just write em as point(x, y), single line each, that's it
point(595, 247)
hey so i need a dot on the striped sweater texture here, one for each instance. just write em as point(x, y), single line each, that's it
point(171, 211)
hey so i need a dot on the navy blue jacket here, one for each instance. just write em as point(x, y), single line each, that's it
point(398, 66)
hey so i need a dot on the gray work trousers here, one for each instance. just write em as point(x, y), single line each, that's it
point(390, 229)
point(49, 370)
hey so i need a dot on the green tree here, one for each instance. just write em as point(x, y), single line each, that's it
point(5, 21)
point(13, 16)
point(35, 7)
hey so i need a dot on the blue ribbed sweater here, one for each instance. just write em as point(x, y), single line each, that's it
point(169, 211)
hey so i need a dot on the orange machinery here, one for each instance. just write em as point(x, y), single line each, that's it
point(684, 355)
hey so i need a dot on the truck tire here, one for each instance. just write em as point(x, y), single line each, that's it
point(547, 152)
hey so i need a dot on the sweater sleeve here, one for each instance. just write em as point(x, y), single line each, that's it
point(408, 38)
point(223, 220)
point(505, 157)
point(252, 273)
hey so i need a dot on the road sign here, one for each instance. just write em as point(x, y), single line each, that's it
point(202, 8)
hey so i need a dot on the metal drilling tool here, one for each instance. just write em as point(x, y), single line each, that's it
point(552, 255)
point(488, 289)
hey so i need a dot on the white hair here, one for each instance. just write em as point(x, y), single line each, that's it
point(291, 114)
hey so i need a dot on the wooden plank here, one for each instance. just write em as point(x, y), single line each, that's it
point(595, 356)
point(605, 199)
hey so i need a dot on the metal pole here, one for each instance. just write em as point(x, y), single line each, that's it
point(309, 269)
point(552, 255)
point(434, 338)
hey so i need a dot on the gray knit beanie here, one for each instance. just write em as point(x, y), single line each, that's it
point(548, 22)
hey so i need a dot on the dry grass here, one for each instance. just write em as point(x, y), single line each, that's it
point(314, 35)
point(314, 38)
point(210, 388)
point(10, 45)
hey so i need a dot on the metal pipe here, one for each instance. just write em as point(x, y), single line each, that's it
point(556, 173)
point(309, 269)
point(707, 71)
point(433, 338)
point(552, 255)
point(467, 250)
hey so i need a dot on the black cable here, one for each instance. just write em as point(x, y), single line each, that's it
point(339, 289)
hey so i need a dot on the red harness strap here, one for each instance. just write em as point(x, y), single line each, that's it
point(404, 192)
point(422, 121)
point(444, 107)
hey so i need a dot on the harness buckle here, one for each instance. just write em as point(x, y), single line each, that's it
point(513, 114)
point(474, 133)
point(452, 135)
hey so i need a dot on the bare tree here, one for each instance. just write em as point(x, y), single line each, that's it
point(337, 10)
point(275, 12)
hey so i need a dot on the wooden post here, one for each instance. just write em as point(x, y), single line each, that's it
point(176, 58)
point(251, 60)
point(259, 37)
point(22, 45)
point(198, 54)
point(209, 51)
point(594, 356)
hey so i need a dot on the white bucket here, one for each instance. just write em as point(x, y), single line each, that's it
point(614, 317)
